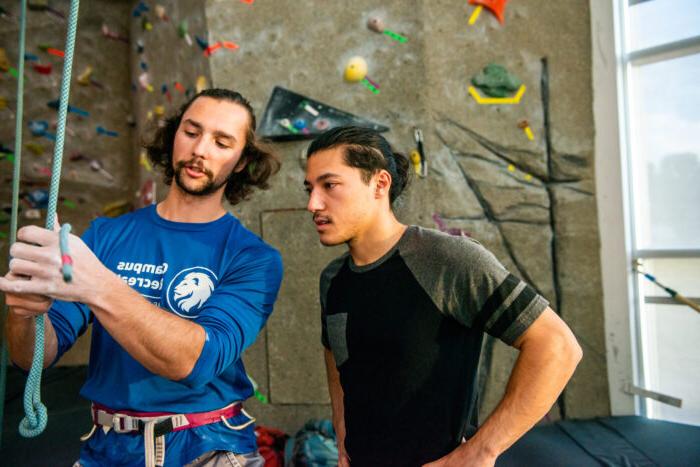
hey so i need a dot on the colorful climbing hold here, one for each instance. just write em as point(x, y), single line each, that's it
point(495, 81)
point(356, 69)
point(497, 7)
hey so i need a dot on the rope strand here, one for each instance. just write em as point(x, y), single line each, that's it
point(36, 416)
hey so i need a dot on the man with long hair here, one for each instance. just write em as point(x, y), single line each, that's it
point(403, 317)
point(175, 291)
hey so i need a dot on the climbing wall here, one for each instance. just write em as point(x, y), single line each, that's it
point(530, 201)
point(510, 163)
point(167, 67)
point(98, 162)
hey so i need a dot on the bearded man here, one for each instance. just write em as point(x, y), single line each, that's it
point(175, 291)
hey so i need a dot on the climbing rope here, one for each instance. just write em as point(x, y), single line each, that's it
point(36, 416)
point(15, 193)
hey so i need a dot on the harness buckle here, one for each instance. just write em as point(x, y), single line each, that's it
point(117, 423)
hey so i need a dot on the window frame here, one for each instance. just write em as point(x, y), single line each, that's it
point(623, 304)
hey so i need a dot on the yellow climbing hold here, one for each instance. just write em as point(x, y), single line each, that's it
point(144, 162)
point(84, 77)
point(201, 83)
point(415, 161)
point(356, 69)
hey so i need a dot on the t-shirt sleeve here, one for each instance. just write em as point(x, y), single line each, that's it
point(467, 282)
point(324, 286)
point(495, 300)
point(236, 311)
point(70, 320)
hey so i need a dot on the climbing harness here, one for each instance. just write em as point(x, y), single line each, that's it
point(155, 425)
point(35, 412)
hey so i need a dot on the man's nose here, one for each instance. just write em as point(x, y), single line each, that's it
point(201, 146)
point(315, 202)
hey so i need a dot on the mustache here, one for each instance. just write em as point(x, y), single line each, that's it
point(322, 217)
point(191, 163)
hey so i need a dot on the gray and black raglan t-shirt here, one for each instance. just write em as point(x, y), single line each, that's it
point(406, 335)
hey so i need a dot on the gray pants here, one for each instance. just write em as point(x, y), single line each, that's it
point(222, 459)
point(228, 459)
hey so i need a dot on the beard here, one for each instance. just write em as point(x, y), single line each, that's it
point(211, 186)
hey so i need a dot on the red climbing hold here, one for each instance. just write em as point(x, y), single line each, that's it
point(497, 7)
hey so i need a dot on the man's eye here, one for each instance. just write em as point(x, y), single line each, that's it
point(191, 134)
point(330, 185)
point(222, 145)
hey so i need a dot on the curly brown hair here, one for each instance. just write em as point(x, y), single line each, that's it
point(261, 162)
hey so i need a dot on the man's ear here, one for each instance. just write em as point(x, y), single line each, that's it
point(242, 163)
point(383, 184)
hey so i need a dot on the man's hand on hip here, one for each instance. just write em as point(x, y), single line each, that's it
point(464, 454)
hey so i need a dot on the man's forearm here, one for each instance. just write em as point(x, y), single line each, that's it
point(538, 377)
point(20, 332)
point(162, 342)
point(335, 391)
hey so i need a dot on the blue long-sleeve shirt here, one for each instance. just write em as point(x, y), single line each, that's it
point(217, 274)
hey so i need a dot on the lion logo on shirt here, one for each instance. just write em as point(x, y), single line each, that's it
point(194, 290)
point(189, 290)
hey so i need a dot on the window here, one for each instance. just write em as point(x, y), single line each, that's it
point(660, 65)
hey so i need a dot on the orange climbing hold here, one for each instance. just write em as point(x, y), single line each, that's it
point(497, 7)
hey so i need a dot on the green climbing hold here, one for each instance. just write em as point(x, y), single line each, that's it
point(495, 81)
point(261, 397)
